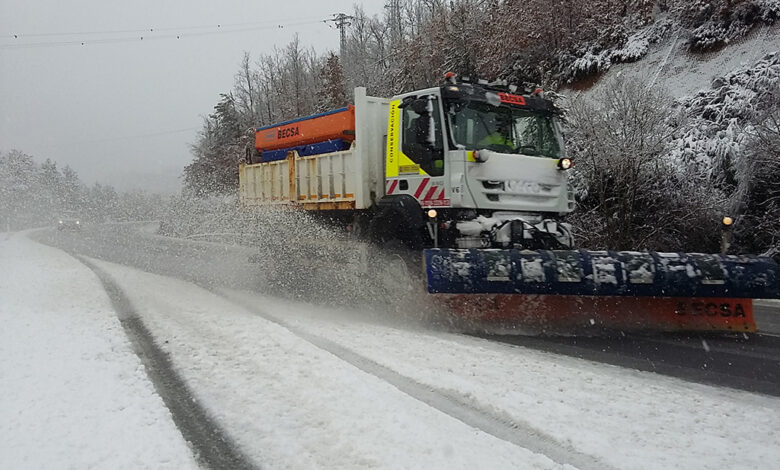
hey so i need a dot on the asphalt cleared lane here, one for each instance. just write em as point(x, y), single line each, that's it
point(744, 362)
point(749, 362)
point(740, 361)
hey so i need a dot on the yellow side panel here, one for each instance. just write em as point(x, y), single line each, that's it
point(393, 139)
point(396, 162)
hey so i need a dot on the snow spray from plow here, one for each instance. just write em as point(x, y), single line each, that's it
point(565, 290)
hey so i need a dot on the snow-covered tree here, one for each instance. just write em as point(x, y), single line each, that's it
point(33, 195)
point(220, 146)
point(18, 182)
point(331, 88)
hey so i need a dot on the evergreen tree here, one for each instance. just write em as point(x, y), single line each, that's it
point(331, 92)
point(219, 148)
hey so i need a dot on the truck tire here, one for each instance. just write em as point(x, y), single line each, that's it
point(385, 228)
point(395, 241)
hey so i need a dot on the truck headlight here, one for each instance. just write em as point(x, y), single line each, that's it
point(565, 163)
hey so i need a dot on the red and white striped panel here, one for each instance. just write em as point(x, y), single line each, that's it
point(390, 186)
point(423, 192)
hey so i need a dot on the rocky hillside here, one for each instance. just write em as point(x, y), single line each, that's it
point(723, 143)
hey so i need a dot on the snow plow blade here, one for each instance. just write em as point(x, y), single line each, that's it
point(564, 291)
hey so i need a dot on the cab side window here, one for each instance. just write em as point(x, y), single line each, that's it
point(422, 135)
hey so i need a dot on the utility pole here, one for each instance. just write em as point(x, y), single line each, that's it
point(395, 21)
point(342, 21)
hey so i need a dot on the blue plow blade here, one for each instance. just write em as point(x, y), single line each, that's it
point(600, 273)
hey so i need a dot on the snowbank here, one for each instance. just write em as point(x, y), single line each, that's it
point(72, 392)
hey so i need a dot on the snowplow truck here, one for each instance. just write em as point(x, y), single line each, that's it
point(473, 178)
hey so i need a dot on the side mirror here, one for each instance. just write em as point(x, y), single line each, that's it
point(420, 106)
point(407, 101)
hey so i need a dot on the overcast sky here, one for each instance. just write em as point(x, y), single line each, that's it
point(121, 110)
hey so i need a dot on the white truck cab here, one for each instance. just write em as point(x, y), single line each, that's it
point(481, 158)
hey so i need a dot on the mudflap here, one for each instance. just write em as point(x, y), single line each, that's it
point(555, 314)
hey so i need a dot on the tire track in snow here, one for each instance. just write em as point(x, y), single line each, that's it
point(451, 403)
point(213, 448)
point(666, 59)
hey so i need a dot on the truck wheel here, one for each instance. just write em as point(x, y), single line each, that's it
point(386, 233)
point(390, 226)
point(383, 228)
point(361, 227)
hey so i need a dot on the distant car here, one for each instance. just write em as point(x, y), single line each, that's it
point(69, 223)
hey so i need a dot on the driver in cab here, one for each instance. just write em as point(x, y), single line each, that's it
point(500, 139)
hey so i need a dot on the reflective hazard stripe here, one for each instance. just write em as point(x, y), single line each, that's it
point(420, 188)
point(393, 185)
point(441, 195)
point(430, 192)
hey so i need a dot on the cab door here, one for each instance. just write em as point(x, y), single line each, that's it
point(416, 149)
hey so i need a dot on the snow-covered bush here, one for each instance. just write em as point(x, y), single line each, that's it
point(596, 59)
point(634, 49)
point(590, 63)
point(718, 23)
point(757, 196)
point(630, 194)
point(732, 142)
point(707, 24)
point(721, 119)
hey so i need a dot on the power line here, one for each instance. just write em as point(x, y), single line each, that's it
point(153, 29)
point(151, 36)
point(118, 138)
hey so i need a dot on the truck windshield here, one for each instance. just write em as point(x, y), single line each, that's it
point(506, 129)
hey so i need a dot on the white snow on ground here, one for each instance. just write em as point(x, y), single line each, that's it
point(292, 405)
point(72, 392)
point(626, 418)
point(298, 406)
point(289, 404)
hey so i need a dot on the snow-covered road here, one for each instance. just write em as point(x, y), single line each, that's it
point(73, 394)
point(302, 386)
